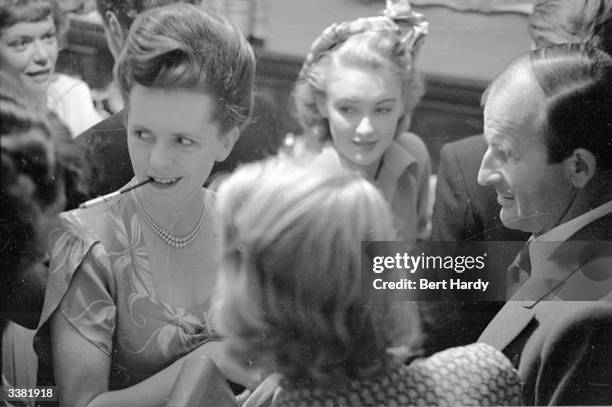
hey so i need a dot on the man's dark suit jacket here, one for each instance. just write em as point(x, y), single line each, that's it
point(106, 144)
point(464, 211)
point(563, 349)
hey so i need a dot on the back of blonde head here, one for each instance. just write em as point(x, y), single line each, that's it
point(291, 239)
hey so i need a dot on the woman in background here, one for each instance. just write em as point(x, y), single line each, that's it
point(38, 169)
point(290, 297)
point(32, 195)
point(354, 98)
point(23, 295)
point(28, 53)
point(130, 279)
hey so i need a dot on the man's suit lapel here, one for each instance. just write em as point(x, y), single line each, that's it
point(598, 230)
point(582, 258)
point(508, 324)
point(515, 316)
point(587, 266)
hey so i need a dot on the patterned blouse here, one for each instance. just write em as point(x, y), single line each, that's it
point(474, 375)
point(100, 281)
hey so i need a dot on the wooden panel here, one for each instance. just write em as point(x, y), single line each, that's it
point(450, 110)
point(276, 75)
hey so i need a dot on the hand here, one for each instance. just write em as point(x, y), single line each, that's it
point(200, 383)
point(233, 371)
point(266, 392)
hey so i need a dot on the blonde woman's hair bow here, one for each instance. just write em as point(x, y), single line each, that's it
point(398, 16)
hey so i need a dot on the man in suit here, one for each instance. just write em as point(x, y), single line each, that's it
point(106, 142)
point(467, 211)
point(547, 128)
point(562, 350)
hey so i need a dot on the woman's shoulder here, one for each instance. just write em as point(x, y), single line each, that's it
point(89, 231)
point(71, 99)
point(90, 223)
point(63, 85)
point(468, 358)
point(81, 238)
point(73, 229)
point(413, 144)
point(475, 374)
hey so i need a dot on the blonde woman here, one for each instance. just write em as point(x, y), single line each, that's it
point(355, 97)
point(290, 300)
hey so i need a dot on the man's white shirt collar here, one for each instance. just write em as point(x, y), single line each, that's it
point(547, 242)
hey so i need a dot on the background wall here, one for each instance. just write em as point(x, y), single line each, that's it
point(460, 45)
point(461, 55)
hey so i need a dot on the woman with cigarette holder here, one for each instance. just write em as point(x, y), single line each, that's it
point(130, 279)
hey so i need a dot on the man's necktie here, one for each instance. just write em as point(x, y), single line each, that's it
point(519, 271)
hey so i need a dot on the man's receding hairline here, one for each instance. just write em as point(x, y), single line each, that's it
point(507, 78)
point(519, 68)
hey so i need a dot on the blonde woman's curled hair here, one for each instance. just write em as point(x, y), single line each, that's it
point(370, 50)
point(289, 293)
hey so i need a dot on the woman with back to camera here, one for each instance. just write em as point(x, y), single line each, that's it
point(28, 52)
point(355, 96)
point(131, 278)
point(290, 300)
point(38, 170)
point(23, 298)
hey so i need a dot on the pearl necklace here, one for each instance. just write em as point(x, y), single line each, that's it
point(174, 241)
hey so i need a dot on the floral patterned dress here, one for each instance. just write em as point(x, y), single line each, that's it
point(100, 281)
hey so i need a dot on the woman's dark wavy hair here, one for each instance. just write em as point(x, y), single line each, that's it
point(31, 182)
point(577, 83)
point(182, 47)
point(72, 156)
point(38, 164)
point(18, 11)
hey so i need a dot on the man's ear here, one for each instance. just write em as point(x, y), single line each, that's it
point(581, 167)
point(115, 34)
point(227, 143)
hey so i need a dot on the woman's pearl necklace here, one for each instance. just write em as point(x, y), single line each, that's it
point(174, 241)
